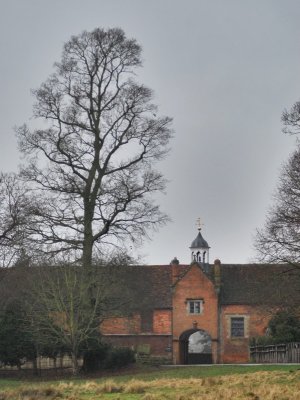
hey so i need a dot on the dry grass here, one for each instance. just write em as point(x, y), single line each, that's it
point(278, 385)
point(109, 386)
point(33, 393)
point(136, 386)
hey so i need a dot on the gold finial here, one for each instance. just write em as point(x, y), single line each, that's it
point(199, 224)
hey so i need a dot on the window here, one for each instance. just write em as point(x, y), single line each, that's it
point(237, 327)
point(195, 306)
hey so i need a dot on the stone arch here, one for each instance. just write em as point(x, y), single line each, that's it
point(195, 347)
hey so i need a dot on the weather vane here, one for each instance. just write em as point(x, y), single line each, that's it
point(199, 224)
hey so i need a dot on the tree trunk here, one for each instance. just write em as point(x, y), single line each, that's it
point(75, 368)
point(87, 236)
point(87, 252)
point(35, 366)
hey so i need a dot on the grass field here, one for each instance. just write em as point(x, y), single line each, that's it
point(188, 383)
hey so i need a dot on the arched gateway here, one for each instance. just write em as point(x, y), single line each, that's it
point(195, 347)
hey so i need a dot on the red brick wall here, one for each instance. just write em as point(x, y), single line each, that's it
point(158, 344)
point(162, 320)
point(121, 325)
point(194, 285)
point(126, 332)
point(236, 350)
point(132, 325)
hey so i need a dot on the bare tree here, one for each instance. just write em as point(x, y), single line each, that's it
point(291, 119)
point(13, 218)
point(279, 240)
point(93, 159)
point(59, 309)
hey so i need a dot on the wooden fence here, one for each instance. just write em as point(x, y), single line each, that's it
point(276, 353)
point(44, 363)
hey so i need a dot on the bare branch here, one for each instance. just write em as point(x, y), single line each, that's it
point(92, 164)
point(279, 241)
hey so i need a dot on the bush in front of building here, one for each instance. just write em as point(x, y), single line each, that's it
point(119, 357)
point(16, 341)
point(284, 327)
point(107, 357)
point(94, 358)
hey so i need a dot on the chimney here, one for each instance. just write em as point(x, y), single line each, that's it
point(217, 274)
point(175, 269)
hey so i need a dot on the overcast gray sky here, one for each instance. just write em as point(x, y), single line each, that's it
point(224, 70)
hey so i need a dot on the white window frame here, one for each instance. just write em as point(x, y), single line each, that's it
point(191, 303)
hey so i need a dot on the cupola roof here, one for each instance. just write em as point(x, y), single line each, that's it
point(199, 242)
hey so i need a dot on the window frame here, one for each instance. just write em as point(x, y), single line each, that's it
point(191, 305)
point(234, 330)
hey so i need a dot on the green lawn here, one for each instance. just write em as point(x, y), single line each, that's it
point(191, 383)
point(202, 372)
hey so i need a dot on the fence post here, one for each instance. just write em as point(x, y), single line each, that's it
point(278, 353)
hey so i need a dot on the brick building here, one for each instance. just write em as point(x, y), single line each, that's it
point(201, 312)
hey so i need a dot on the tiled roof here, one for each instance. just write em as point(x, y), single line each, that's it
point(137, 287)
point(13, 282)
point(255, 284)
point(150, 285)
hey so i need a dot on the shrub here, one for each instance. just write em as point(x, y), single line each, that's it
point(16, 340)
point(95, 358)
point(284, 327)
point(262, 341)
point(105, 356)
point(119, 357)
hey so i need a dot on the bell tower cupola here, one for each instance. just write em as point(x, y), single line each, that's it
point(199, 247)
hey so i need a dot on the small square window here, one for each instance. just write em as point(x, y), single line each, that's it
point(237, 327)
point(195, 306)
